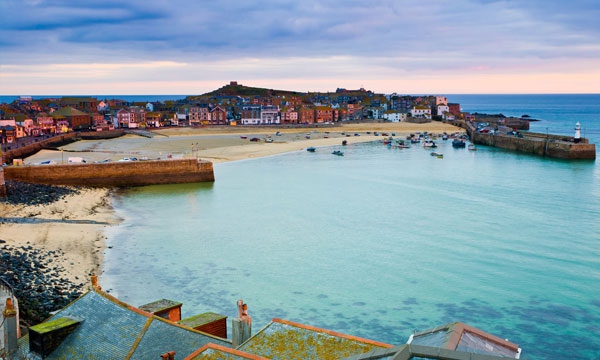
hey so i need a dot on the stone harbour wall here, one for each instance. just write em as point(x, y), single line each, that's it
point(115, 174)
point(549, 146)
point(21, 151)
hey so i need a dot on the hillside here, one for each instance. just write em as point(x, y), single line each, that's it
point(234, 89)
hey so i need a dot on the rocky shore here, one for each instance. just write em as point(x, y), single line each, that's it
point(36, 276)
point(18, 193)
point(37, 281)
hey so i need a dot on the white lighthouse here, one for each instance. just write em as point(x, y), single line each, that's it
point(577, 137)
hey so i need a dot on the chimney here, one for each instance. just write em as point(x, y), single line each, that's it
point(241, 327)
point(164, 308)
point(10, 328)
point(95, 285)
point(168, 356)
point(47, 336)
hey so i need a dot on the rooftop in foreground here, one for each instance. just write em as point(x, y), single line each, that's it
point(97, 325)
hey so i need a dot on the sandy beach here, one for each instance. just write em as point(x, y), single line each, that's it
point(76, 223)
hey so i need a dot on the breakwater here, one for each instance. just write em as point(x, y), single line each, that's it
point(25, 149)
point(115, 174)
point(547, 145)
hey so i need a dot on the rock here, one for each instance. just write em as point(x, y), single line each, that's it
point(39, 291)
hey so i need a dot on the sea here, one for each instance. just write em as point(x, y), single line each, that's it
point(382, 242)
point(7, 99)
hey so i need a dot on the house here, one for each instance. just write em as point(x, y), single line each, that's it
point(269, 115)
point(85, 104)
point(441, 109)
point(102, 106)
point(199, 115)
point(251, 114)
point(394, 116)
point(8, 131)
point(218, 115)
point(441, 100)
point(153, 119)
point(454, 109)
point(46, 123)
point(421, 111)
point(325, 114)
point(307, 115)
point(78, 120)
point(289, 116)
point(133, 117)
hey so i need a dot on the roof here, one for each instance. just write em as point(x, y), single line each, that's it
point(212, 351)
point(202, 319)
point(282, 339)
point(68, 111)
point(409, 352)
point(111, 329)
point(462, 337)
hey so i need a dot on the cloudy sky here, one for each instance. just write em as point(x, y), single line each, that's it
point(405, 46)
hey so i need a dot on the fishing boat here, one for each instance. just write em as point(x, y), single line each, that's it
point(311, 149)
point(458, 143)
point(429, 144)
point(338, 153)
point(437, 154)
point(402, 144)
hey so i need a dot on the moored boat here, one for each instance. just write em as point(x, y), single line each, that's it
point(337, 152)
point(458, 143)
point(429, 143)
point(311, 149)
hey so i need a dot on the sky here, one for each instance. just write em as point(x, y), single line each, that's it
point(85, 47)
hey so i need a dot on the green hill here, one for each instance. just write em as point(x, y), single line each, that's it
point(241, 90)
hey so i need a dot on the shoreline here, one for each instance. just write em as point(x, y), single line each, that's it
point(75, 224)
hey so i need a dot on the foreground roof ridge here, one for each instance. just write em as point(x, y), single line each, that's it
point(333, 333)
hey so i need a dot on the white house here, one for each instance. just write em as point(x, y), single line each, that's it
point(421, 112)
point(269, 115)
point(394, 116)
point(441, 109)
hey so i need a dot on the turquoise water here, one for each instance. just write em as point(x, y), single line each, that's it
point(378, 243)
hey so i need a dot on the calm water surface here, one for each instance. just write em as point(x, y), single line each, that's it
point(378, 243)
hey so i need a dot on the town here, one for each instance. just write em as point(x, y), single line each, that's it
point(231, 105)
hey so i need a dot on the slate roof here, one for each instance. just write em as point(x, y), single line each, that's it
point(111, 329)
point(462, 337)
point(282, 339)
point(213, 352)
point(410, 352)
